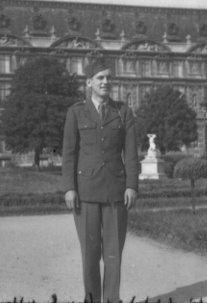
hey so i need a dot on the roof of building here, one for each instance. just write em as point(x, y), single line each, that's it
point(194, 4)
point(118, 21)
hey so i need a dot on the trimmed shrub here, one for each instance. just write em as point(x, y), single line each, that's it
point(168, 169)
point(170, 162)
point(192, 169)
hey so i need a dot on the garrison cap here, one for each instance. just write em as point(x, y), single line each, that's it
point(96, 66)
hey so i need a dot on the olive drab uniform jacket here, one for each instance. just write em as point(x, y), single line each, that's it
point(100, 157)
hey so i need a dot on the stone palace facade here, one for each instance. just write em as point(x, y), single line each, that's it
point(148, 47)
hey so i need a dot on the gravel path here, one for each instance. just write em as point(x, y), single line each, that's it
point(40, 255)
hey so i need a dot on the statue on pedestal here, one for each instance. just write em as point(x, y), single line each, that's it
point(152, 151)
point(152, 167)
point(152, 145)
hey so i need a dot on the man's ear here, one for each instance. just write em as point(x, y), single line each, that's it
point(88, 82)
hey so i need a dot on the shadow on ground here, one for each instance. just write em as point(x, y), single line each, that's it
point(184, 294)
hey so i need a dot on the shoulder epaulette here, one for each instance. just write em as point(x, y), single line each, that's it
point(122, 103)
point(79, 103)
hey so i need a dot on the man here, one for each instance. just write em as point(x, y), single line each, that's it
point(100, 170)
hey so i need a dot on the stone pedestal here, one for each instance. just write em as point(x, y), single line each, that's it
point(152, 167)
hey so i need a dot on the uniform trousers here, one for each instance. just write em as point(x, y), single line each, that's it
point(101, 230)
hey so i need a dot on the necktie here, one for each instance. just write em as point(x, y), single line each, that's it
point(102, 111)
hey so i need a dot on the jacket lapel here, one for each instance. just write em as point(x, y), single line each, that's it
point(111, 112)
point(91, 112)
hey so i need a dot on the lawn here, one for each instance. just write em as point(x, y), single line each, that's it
point(24, 181)
point(178, 228)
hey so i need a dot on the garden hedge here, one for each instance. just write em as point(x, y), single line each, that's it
point(18, 199)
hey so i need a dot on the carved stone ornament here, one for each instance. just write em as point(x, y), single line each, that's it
point(172, 32)
point(172, 29)
point(146, 46)
point(76, 42)
point(108, 28)
point(39, 23)
point(140, 28)
point(9, 40)
point(203, 30)
point(4, 21)
point(200, 49)
point(74, 24)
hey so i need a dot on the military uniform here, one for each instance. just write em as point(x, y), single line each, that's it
point(100, 162)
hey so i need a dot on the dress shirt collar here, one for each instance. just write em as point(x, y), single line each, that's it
point(96, 103)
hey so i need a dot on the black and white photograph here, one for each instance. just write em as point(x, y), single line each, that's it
point(103, 151)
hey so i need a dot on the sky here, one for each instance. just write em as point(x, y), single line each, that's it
point(199, 4)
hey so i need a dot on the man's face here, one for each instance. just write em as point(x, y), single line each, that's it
point(100, 84)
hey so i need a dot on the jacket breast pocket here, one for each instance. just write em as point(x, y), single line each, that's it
point(117, 127)
point(85, 172)
point(87, 133)
point(117, 132)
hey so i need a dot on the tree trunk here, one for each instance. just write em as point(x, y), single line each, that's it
point(37, 158)
point(193, 194)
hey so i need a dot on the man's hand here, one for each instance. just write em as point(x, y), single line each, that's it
point(130, 197)
point(71, 199)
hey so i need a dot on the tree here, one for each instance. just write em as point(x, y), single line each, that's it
point(34, 113)
point(191, 169)
point(165, 112)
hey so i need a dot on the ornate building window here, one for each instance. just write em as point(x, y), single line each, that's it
point(75, 65)
point(144, 90)
point(8, 64)
point(115, 94)
point(130, 95)
point(129, 67)
point(195, 96)
point(5, 64)
point(5, 89)
point(146, 68)
point(163, 68)
point(195, 68)
point(178, 69)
